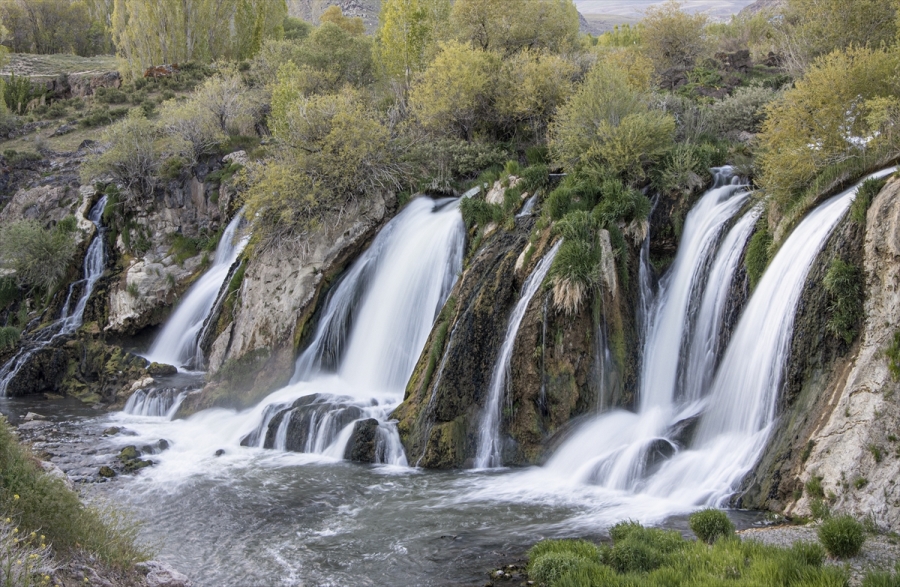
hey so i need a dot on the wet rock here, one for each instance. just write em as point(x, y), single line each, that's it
point(55, 471)
point(106, 472)
point(136, 464)
point(35, 425)
point(128, 453)
point(362, 445)
point(33, 416)
point(161, 369)
point(220, 452)
point(112, 431)
point(162, 575)
point(155, 448)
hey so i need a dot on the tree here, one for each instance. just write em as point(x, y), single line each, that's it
point(194, 124)
point(407, 34)
point(608, 122)
point(455, 92)
point(824, 119)
point(176, 31)
point(672, 38)
point(231, 104)
point(813, 28)
point(335, 15)
point(510, 25)
point(51, 26)
point(134, 149)
point(331, 150)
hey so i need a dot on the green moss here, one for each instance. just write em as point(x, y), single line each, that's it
point(757, 258)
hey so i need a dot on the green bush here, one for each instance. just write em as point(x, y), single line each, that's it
point(9, 336)
point(711, 524)
point(548, 568)
point(864, 196)
point(842, 536)
point(40, 257)
point(814, 487)
point(622, 530)
point(844, 283)
point(17, 93)
point(742, 111)
point(809, 553)
point(477, 212)
point(633, 556)
point(534, 178)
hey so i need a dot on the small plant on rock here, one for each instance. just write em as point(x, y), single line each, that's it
point(842, 536)
point(711, 524)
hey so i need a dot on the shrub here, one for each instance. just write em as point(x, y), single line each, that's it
point(814, 487)
point(711, 524)
point(587, 575)
point(17, 93)
point(9, 336)
point(819, 509)
point(842, 536)
point(535, 178)
point(622, 530)
point(580, 548)
point(40, 257)
point(809, 553)
point(843, 281)
point(742, 111)
point(633, 556)
point(477, 212)
point(864, 196)
point(893, 356)
point(549, 567)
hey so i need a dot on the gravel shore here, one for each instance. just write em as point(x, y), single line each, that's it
point(878, 552)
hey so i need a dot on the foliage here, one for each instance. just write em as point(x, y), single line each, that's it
point(757, 257)
point(580, 548)
point(43, 504)
point(454, 92)
point(623, 35)
point(754, 31)
point(711, 524)
point(477, 212)
point(817, 123)
point(40, 257)
point(864, 196)
point(224, 96)
point(440, 160)
point(842, 536)
point(659, 558)
point(576, 269)
point(407, 35)
point(171, 31)
point(134, 153)
point(17, 92)
point(893, 355)
point(334, 15)
point(52, 26)
point(332, 150)
point(193, 123)
point(844, 283)
point(744, 110)
point(296, 29)
point(510, 25)
point(813, 28)
point(9, 337)
point(549, 568)
point(881, 579)
point(607, 122)
point(672, 38)
point(25, 559)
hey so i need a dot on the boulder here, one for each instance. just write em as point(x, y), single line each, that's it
point(162, 575)
point(362, 445)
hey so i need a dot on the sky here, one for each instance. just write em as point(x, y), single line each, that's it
point(635, 8)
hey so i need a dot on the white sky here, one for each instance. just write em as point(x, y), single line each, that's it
point(635, 8)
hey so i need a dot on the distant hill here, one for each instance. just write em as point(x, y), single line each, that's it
point(763, 5)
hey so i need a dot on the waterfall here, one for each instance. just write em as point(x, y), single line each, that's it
point(178, 343)
point(373, 327)
point(70, 318)
point(619, 448)
point(162, 402)
point(694, 447)
point(488, 453)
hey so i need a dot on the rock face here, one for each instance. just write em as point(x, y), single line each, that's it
point(255, 345)
point(555, 371)
point(854, 447)
point(311, 10)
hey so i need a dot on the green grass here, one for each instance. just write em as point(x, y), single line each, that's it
point(38, 502)
point(644, 557)
point(711, 524)
point(844, 284)
point(867, 192)
point(842, 536)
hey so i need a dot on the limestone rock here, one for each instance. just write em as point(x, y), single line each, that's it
point(854, 441)
point(361, 447)
point(162, 575)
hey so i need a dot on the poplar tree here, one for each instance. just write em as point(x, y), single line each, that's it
point(407, 34)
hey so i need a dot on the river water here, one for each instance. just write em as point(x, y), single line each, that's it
point(260, 517)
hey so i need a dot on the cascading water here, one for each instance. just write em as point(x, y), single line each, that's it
point(488, 453)
point(618, 449)
point(160, 402)
point(373, 328)
point(71, 318)
point(644, 456)
point(179, 342)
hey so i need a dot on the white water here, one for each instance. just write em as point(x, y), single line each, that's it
point(647, 465)
point(158, 402)
point(70, 319)
point(372, 330)
point(488, 453)
point(179, 342)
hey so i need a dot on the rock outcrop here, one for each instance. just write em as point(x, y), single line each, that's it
point(853, 450)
